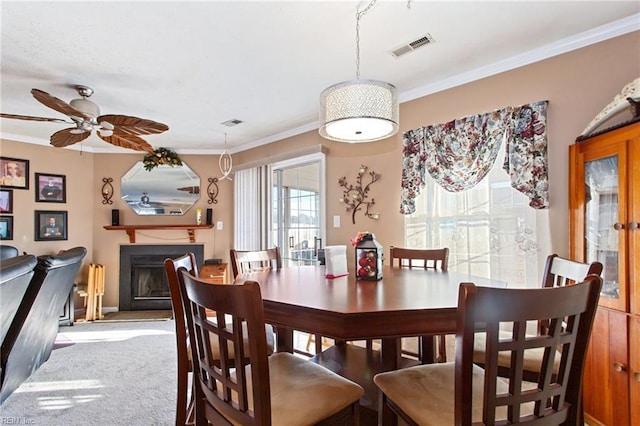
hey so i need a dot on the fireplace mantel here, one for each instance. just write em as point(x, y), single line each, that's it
point(131, 229)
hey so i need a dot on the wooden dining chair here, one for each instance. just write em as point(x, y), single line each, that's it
point(244, 261)
point(427, 259)
point(184, 403)
point(463, 393)
point(558, 272)
point(281, 389)
point(184, 408)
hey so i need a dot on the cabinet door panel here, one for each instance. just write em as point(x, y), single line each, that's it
point(634, 227)
point(606, 399)
point(619, 367)
point(634, 368)
point(597, 406)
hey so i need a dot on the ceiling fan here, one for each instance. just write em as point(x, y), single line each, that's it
point(118, 130)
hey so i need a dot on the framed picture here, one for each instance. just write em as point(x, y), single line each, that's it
point(50, 225)
point(51, 188)
point(6, 201)
point(14, 173)
point(6, 227)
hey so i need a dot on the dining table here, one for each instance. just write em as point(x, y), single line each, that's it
point(405, 302)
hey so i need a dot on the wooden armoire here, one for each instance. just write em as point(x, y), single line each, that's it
point(604, 208)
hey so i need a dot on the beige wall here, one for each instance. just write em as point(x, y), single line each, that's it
point(78, 169)
point(87, 216)
point(577, 85)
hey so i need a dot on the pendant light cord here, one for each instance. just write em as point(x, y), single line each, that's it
point(360, 14)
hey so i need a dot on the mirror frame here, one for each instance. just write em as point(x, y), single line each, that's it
point(161, 191)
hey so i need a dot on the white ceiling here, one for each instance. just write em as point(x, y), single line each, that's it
point(194, 65)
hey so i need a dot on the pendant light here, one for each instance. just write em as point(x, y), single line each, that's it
point(225, 163)
point(358, 110)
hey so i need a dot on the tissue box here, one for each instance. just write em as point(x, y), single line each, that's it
point(336, 260)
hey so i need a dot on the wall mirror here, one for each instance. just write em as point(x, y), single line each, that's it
point(164, 190)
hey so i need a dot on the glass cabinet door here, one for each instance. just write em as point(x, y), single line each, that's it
point(604, 214)
point(601, 219)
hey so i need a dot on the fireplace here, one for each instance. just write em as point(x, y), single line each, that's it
point(143, 282)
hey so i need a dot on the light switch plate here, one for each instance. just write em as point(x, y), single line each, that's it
point(336, 221)
point(219, 225)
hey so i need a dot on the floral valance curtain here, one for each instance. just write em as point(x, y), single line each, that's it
point(459, 153)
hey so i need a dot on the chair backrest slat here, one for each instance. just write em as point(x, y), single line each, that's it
point(246, 261)
point(559, 271)
point(424, 258)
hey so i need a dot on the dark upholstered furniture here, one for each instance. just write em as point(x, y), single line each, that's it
point(32, 333)
point(15, 275)
point(7, 252)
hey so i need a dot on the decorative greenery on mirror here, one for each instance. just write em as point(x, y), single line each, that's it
point(164, 190)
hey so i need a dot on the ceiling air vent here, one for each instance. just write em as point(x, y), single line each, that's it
point(231, 123)
point(413, 45)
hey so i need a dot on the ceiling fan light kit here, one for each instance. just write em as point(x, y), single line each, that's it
point(118, 130)
point(359, 110)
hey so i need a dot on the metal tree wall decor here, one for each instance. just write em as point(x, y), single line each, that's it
point(355, 196)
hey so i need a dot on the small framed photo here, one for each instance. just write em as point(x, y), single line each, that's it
point(50, 225)
point(14, 173)
point(51, 188)
point(6, 227)
point(6, 201)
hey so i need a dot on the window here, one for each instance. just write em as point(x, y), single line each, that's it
point(490, 229)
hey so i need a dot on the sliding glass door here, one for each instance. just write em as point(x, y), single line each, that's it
point(298, 209)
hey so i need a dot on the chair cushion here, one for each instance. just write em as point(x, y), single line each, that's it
point(426, 392)
point(532, 357)
point(303, 392)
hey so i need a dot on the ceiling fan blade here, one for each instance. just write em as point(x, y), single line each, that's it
point(133, 125)
point(127, 141)
point(29, 117)
point(58, 104)
point(65, 137)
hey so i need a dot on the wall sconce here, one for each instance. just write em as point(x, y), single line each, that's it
point(212, 191)
point(107, 190)
point(355, 196)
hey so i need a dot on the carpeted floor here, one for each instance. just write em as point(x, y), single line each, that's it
point(153, 315)
point(102, 373)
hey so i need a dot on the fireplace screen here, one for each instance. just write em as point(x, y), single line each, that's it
point(149, 283)
point(143, 282)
